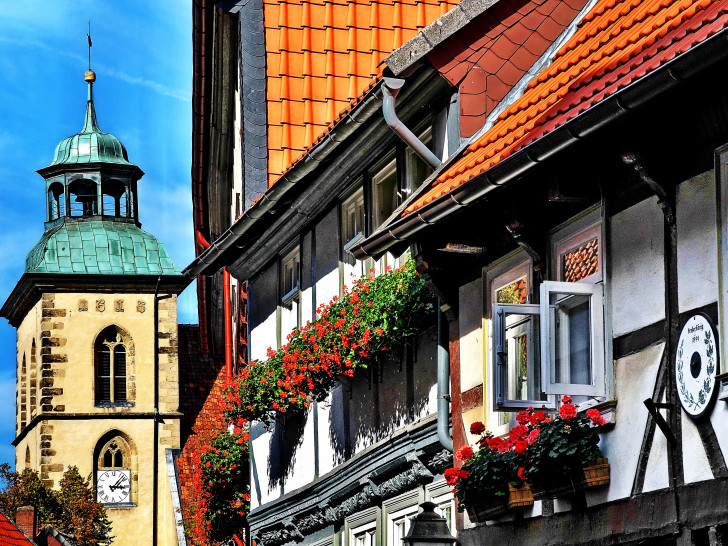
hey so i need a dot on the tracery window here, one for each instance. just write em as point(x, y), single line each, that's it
point(111, 355)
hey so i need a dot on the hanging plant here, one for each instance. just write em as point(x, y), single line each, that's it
point(348, 333)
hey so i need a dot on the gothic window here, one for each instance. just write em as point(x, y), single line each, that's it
point(33, 381)
point(111, 356)
point(23, 393)
point(116, 469)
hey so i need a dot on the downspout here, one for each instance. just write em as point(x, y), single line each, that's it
point(157, 419)
point(390, 89)
point(228, 327)
point(443, 382)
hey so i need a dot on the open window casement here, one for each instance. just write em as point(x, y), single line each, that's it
point(572, 338)
point(516, 354)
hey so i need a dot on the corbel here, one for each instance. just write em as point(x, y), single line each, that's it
point(515, 230)
point(663, 201)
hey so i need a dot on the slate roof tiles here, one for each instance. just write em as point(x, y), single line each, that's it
point(322, 56)
point(618, 42)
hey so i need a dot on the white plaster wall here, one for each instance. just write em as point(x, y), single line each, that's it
point(304, 463)
point(470, 321)
point(259, 451)
point(425, 374)
point(326, 431)
point(637, 251)
point(327, 287)
point(656, 473)
point(634, 380)
point(697, 251)
point(262, 337)
point(695, 461)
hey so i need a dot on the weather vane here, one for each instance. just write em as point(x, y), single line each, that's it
point(89, 45)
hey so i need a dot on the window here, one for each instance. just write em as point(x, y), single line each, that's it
point(115, 469)
point(111, 352)
point(556, 346)
point(416, 169)
point(384, 190)
point(399, 523)
point(361, 529)
point(56, 201)
point(290, 290)
point(352, 222)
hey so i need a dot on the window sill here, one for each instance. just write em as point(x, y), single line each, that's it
point(120, 505)
point(607, 409)
point(114, 405)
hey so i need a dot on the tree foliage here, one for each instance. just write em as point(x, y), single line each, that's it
point(72, 509)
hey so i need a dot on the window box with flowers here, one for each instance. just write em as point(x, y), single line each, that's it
point(566, 458)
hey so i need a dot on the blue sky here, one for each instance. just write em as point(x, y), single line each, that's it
point(142, 56)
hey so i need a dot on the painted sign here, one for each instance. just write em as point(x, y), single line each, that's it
point(696, 365)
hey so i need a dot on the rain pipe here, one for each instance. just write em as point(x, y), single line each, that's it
point(228, 327)
point(443, 382)
point(390, 90)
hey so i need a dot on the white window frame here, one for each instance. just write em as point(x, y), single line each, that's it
point(548, 317)
point(365, 521)
point(290, 303)
point(406, 506)
point(441, 494)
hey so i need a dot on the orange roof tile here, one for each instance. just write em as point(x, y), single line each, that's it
point(618, 42)
point(322, 57)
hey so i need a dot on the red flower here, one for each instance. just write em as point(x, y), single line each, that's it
point(519, 432)
point(595, 416)
point(523, 418)
point(521, 447)
point(451, 476)
point(567, 411)
point(533, 436)
point(522, 473)
point(566, 399)
point(464, 453)
point(477, 428)
point(538, 417)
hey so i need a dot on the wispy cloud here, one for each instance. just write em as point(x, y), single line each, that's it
point(179, 94)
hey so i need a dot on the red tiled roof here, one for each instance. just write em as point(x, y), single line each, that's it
point(617, 43)
point(493, 52)
point(10, 535)
point(322, 56)
point(202, 381)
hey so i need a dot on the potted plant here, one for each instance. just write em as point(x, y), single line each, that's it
point(488, 483)
point(566, 458)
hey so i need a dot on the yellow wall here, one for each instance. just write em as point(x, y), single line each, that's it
point(68, 427)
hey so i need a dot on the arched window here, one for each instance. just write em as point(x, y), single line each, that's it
point(27, 456)
point(23, 393)
point(115, 469)
point(83, 198)
point(112, 350)
point(56, 201)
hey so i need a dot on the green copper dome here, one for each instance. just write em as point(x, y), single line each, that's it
point(91, 145)
point(99, 247)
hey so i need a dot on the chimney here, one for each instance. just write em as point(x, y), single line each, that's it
point(27, 521)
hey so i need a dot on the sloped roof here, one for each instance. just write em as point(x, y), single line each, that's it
point(322, 57)
point(617, 43)
point(99, 247)
point(10, 535)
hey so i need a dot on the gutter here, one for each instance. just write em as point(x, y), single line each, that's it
point(665, 78)
point(443, 382)
point(207, 262)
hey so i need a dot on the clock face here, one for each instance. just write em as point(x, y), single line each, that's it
point(113, 486)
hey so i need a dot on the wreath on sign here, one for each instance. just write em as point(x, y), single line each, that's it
point(704, 392)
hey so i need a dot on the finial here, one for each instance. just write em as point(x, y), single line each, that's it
point(90, 76)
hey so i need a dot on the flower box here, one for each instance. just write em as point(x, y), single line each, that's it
point(518, 496)
point(562, 485)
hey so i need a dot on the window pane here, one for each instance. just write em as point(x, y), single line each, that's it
point(119, 373)
point(384, 193)
point(515, 292)
point(352, 212)
point(103, 383)
point(581, 262)
point(522, 360)
point(572, 362)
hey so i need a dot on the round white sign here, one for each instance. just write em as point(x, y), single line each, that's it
point(696, 365)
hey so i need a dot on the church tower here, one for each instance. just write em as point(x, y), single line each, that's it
point(96, 319)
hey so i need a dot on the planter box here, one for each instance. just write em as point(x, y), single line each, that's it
point(563, 485)
point(517, 497)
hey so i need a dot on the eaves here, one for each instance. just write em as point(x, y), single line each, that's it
point(695, 62)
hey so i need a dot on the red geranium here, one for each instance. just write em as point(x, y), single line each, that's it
point(477, 428)
point(523, 417)
point(521, 447)
point(464, 453)
point(567, 411)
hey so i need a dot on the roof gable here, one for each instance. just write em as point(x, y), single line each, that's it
point(617, 43)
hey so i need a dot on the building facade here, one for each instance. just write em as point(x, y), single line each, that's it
point(95, 312)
